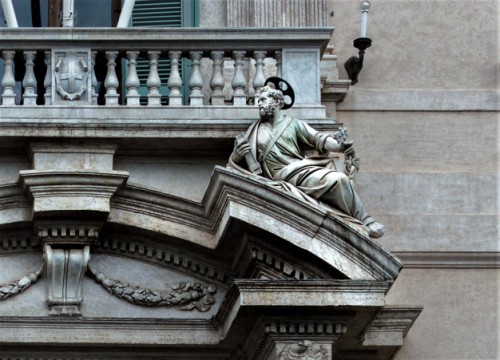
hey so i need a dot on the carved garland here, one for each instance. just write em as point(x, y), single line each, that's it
point(185, 295)
point(18, 286)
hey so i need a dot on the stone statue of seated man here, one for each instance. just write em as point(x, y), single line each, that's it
point(273, 147)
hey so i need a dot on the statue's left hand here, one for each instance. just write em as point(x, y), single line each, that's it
point(348, 148)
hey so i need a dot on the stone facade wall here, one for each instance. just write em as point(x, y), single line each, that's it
point(424, 120)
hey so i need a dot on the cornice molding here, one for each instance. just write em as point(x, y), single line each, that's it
point(299, 293)
point(231, 195)
point(421, 100)
point(71, 191)
point(18, 243)
point(449, 259)
point(166, 257)
point(258, 259)
point(12, 196)
point(119, 332)
point(185, 39)
point(390, 326)
point(235, 197)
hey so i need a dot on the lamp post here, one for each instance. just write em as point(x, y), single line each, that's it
point(354, 64)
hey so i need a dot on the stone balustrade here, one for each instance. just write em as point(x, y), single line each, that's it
point(227, 65)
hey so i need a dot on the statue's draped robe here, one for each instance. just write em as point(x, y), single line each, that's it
point(280, 154)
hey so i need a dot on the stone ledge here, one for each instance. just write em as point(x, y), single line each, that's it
point(449, 260)
point(326, 292)
point(144, 115)
point(71, 192)
point(299, 294)
point(43, 330)
point(421, 100)
point(203, 123)
point(185, 39)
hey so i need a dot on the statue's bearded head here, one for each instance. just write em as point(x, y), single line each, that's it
point(270, 101)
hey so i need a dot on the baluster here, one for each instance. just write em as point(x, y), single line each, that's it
point(29, 80)
point(196, 81)
point(239, 82)
point(259, 78)
point(154, 82)
point(174, 80)
point(93, 81)
point(279, 62)
point(8, 80)
point(217, 81)
point(47, 81)
point(111, 81)
point(132, 83)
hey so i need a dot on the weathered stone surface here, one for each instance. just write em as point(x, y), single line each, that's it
point(421, 100)
point(71, 191)
point(72, 157)
point(32, 301)
point(398, 114)
point(395, 26)
point(441, 232)
point(298, 65)
point(454, 300)
point(433, 192)
point(187, 179)
point(213, 13)
point(427, 142)
point(10, 167)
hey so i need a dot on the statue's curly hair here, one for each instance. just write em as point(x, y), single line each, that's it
point(276, 94)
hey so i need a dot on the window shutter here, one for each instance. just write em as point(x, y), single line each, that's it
point(163, 13)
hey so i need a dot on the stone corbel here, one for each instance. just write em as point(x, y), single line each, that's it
point(65, 270)
point(66, 249)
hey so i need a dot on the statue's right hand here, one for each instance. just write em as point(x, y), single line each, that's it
point(240, 151)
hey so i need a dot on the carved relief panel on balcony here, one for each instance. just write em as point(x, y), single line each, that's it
point(71, 76)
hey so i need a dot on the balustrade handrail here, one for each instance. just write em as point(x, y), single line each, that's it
point(183, 39)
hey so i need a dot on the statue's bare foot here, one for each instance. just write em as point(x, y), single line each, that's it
point(375, 229)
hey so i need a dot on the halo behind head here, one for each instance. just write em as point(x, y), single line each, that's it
point(286, 89)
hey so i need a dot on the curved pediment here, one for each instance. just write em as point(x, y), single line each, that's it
point(237, 202)
point(233, 206)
